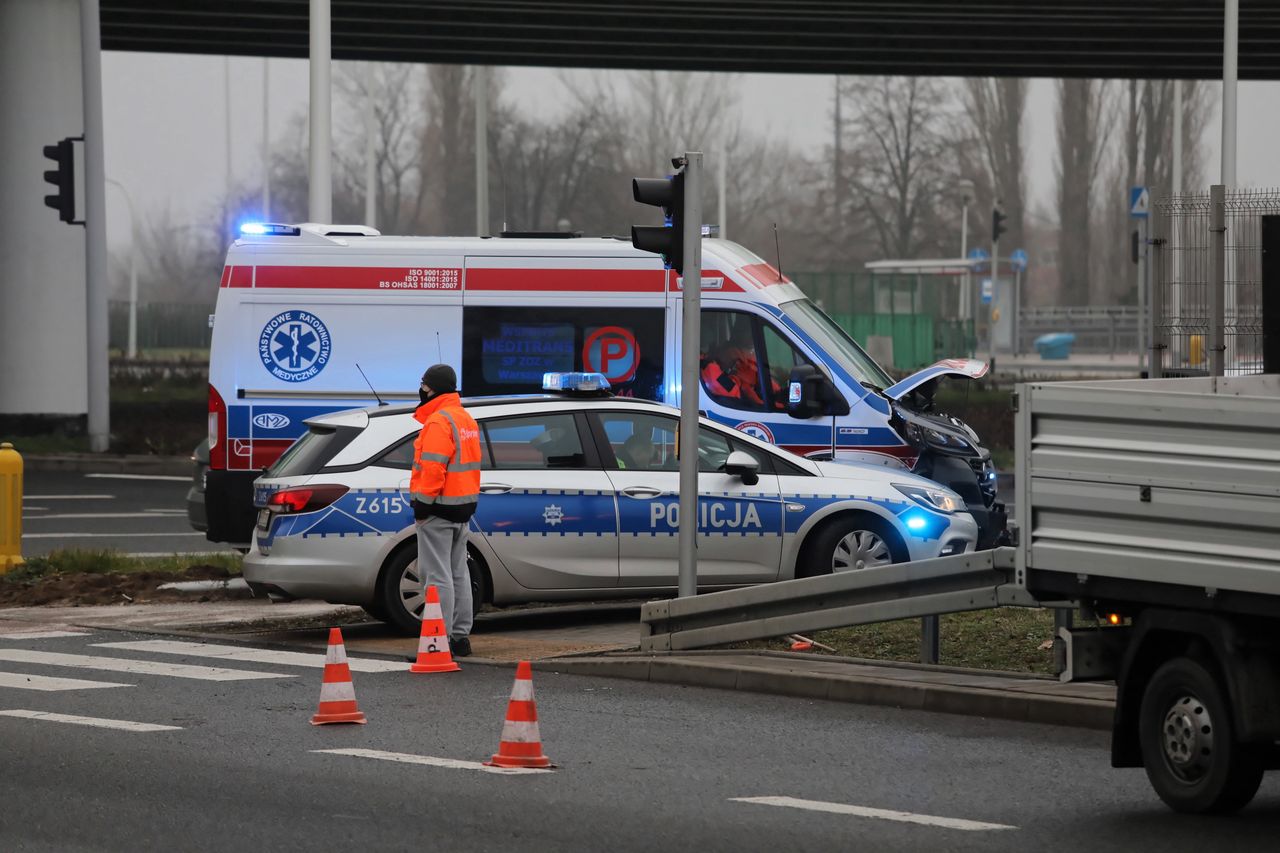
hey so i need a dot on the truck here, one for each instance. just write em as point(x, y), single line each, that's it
point(1151, 507)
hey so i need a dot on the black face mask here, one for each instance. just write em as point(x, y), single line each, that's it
point(423, 396)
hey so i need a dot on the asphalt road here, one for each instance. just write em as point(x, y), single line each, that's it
point(642, 767)
point(141, 514)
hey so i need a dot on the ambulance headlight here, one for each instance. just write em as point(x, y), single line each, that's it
point(932, 498)
point(574, 382)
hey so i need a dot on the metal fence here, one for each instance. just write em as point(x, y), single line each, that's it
point(1207, 282)
point(1110, 329)
point(161, 325)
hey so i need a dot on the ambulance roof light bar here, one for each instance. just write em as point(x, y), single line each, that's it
point(578, 381)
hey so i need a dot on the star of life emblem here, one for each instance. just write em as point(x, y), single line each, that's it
point(552, 514)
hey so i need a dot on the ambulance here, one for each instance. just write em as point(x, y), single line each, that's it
point(313, 319)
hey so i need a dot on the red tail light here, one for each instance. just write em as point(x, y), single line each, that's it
point(217, 430)
point(307, 499)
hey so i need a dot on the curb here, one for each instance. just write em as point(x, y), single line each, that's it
point(863, 690)
point(94, 463)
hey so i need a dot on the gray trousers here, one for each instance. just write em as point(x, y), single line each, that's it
point(442, 560)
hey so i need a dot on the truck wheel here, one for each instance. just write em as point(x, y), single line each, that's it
point(850, 543)
point(1188, 742)
point(401, 596)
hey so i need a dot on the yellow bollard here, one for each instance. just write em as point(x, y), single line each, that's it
point(1197, 350)
point(10, 508)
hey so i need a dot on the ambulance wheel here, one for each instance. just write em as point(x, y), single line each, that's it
point(849, 543)
point(400, 589)
point(1189, 750)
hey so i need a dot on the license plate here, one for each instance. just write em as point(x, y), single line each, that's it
point(264, 519)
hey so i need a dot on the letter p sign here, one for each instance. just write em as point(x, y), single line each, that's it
point(613, 351)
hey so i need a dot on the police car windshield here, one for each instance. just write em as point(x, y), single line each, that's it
point(817, 325)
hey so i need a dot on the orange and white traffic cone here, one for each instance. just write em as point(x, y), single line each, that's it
point(337, 693)
point(433, 644)
point(521, 745)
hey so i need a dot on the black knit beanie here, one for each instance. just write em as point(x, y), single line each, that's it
point(441, 379)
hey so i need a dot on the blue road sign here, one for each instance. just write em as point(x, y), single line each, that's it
point(979, 254)
point(988, 291)
point(1139, 202)
point(1018, 258)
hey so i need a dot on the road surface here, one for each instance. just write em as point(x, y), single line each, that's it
point(211, 749)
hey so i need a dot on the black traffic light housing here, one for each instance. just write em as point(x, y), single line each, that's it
point(997, 224)
point(666, 240)
point(63, 179)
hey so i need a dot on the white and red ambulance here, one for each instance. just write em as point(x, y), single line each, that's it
point(311, 319)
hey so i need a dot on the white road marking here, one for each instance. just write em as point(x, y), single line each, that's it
point(141, 667)
point(166, 511)
point(881, 814)
point(168, 477)
point(147, 514)
point(68, 497)
point(97, 722)
point(106, 535)
point(244, 653)
point(24, 681)
point(42, 635)
point(204, 553)
point(30, 508)
point(431, 760)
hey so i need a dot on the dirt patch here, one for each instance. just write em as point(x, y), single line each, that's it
point(80, 589)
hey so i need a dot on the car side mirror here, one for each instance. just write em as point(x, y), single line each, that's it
point(810, 393)
point(744, 465)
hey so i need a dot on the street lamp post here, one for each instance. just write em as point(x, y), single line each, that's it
point(132, 350)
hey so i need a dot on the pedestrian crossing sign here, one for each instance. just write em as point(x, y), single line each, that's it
point(1139, 202)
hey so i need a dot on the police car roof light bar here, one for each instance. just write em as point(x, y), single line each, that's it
point(270, 229)
point(578, 381)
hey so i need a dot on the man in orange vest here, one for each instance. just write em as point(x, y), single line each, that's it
point(445, 486)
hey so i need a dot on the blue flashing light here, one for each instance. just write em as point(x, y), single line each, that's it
point(577, 381)
point(915, 522)
point(269, 229)
point(923, 524)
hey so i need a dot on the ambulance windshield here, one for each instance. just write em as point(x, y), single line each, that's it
point(817, 325)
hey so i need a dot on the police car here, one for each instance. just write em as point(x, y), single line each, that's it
point(579, 498)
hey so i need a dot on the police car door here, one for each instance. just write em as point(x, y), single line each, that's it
point(740, 525)
point(546, 506)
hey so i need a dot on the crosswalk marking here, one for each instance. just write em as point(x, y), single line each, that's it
point(97, 722)
point(431, 760)
point(243, 653)
point(24, 681)
point(863, 811)
point(142, 667)
point(42, 635)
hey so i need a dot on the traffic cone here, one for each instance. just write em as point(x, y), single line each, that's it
point(521, 745)
point(433, 645)
point(337, 693)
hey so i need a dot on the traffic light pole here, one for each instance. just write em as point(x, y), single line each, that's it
point(95, 226)
point(689, 374)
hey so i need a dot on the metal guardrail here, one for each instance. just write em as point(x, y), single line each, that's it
point(903, 591)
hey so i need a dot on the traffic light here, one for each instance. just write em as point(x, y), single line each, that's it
point(666, 240)
point(997, 224)
point(63, 179)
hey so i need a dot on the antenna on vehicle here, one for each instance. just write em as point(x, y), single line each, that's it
point(439, 351)
point(381, 402)
point(502, 175)
point(777, 248)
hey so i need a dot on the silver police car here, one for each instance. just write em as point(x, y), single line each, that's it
point(579, 500)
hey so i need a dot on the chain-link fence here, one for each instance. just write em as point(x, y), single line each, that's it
point(1207, 281)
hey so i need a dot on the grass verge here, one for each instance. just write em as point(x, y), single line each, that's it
point(71, 561)
point(1011, 639)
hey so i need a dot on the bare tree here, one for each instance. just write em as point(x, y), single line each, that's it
point(1083, 130)
point(994, 109)
point(898, 132)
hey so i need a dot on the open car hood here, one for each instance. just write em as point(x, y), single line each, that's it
point(969, 367)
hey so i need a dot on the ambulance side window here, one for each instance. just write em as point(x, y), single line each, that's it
point(746, 363)
point(506, 348)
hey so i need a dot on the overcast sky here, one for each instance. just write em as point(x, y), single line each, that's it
point(166, 119)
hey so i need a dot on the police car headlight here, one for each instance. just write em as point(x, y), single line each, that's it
point(935, 499)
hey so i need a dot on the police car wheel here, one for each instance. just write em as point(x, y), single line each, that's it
point(851, 543)
point(401, 591)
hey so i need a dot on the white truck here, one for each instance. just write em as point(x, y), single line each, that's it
point(1152, 506)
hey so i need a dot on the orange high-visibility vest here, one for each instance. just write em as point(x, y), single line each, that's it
point(446, 455)
point(719, 383)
